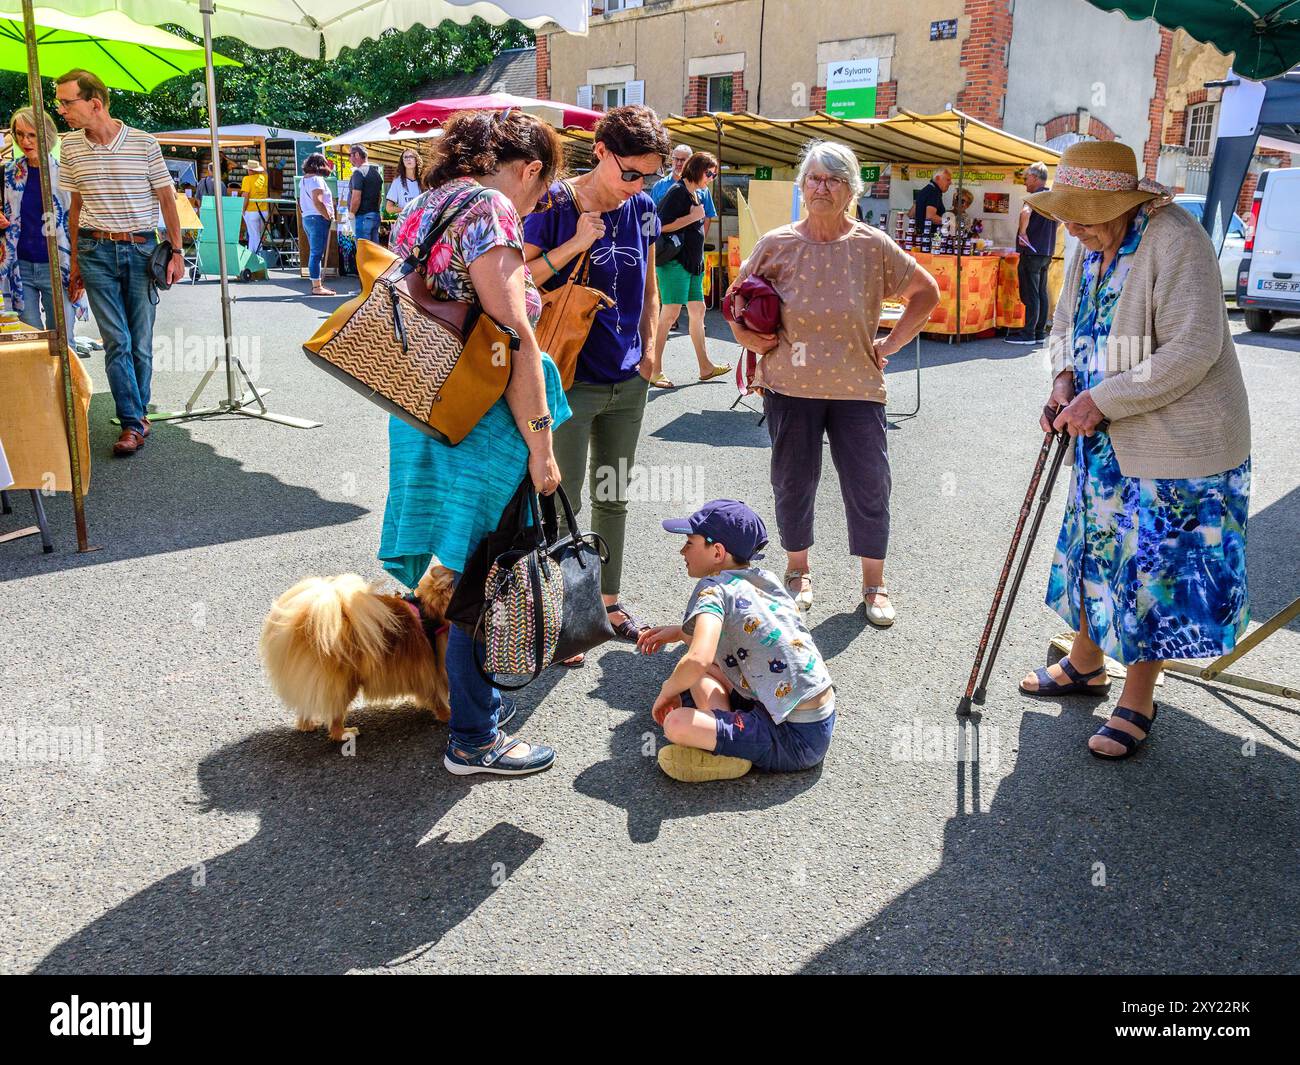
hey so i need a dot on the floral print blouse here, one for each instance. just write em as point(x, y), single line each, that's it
point(491, 222)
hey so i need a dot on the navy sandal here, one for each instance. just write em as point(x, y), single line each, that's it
point(1129, 742)
point(496, 758)
point(508, 710)
point(629, 628)
point(1078, 682)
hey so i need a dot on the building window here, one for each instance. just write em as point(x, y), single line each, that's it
point(609, 96)
point(719, 93)
point(1200, 130)
point(605, 7)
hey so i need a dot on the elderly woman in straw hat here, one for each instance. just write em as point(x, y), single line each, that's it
point(1151, 560)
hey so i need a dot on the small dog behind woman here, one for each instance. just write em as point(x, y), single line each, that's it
point(329, 639)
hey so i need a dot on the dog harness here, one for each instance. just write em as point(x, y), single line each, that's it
point(431, 631)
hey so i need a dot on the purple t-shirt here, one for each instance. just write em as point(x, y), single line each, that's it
point(618, 268)
point(31, 236)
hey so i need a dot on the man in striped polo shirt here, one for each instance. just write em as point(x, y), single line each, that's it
point(118, 181)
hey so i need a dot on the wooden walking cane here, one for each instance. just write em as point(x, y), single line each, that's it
point(973, 692)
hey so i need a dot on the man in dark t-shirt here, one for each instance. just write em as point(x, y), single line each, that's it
point(367, 186)
point(927, 201)
point(1036, 243)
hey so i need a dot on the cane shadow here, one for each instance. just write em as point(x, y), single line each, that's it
point(1181, 859)
point(300, 296)
point(1272, 558)
point(176, 493)
point(631, 779)
point(340, 875)
point(528, 698)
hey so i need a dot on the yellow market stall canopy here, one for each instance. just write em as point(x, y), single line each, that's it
point(747, 139)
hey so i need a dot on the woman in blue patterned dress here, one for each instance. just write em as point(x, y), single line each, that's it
point(25, 272)
point(488, 170)
point(1151, 560)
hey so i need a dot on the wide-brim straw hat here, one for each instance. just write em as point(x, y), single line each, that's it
point(254, 167)
point(1096, 181)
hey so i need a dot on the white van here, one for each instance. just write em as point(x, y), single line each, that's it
point(1268, 282)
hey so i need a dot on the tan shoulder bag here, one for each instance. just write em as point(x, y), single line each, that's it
point(569, 311)
point(436, 364)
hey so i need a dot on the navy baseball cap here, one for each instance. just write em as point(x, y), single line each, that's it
point(728, 522)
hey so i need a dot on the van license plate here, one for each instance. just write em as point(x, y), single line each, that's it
point(1280, 286)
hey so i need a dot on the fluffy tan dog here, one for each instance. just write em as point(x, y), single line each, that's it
point(329, 638)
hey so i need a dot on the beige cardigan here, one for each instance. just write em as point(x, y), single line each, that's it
point(1173, 390)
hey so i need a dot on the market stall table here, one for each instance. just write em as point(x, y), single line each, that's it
point(990, 293)
point(280, 234)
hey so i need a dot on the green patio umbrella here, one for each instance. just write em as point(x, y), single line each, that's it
point(123, 53)
point(1263, 34)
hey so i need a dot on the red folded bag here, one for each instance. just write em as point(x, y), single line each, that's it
point(753, 304)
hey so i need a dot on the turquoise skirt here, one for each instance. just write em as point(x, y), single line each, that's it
point(442, 500)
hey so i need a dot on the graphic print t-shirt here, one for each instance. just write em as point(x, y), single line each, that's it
point(765, 649)
point(618, 268)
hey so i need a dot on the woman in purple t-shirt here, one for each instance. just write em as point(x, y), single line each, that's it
point(614, 220)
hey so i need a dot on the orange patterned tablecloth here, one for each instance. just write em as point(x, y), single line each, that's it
point(990, 293)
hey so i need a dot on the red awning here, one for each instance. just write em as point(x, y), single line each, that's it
point(422, 115)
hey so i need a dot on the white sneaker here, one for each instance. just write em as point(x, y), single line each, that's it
point(880, 616)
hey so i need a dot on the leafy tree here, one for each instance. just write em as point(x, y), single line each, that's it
point(281, 88)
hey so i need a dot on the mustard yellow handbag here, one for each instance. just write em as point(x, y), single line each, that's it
point(439, 365)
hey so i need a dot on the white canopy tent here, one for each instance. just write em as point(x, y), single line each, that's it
point(320, 27)
point(306, 28)
point(380, 141)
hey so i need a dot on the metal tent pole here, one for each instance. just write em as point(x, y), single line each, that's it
point(961, 184)
point(234, 403)
point(43, 148)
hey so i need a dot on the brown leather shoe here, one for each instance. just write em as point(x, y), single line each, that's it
point(145, 428)
point(131, 441)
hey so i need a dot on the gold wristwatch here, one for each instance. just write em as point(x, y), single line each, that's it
point(536, 425)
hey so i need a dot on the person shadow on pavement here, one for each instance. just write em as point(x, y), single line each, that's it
point(631, 778)
point(339, 876)
point(1181, 859)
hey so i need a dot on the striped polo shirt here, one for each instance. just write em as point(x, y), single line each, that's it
point(117, 181)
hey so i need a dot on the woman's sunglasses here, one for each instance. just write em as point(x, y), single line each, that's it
point(635, 175)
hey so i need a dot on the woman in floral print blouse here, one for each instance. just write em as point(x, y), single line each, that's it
point(488, 170)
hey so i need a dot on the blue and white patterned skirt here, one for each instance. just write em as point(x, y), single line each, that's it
point(1161, 563)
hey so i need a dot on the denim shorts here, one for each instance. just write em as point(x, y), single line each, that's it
point(786, 748)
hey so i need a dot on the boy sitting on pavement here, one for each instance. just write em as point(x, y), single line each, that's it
point(762, 694)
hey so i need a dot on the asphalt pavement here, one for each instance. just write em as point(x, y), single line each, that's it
point(192, 829)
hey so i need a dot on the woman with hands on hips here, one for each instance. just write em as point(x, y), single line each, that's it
point(822, 373)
